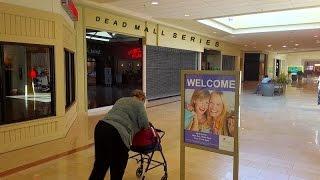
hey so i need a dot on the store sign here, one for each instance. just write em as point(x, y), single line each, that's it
point(135, 53)
point(71, 9)
point(173, 35)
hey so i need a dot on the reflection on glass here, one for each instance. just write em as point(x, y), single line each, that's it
point(27, 88)
point(114, 68)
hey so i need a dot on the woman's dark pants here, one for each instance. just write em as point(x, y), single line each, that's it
point(110, 151)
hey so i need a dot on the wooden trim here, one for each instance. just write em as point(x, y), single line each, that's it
point(41, 161)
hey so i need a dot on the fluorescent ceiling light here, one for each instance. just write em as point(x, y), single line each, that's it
point(98, 39)
point(297, 19)
point(187, 15)
point(317, 65)
point(101, 33)
point(284, 46)
point(154, 3)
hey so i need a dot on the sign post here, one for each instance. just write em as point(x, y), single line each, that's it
point(210, 114)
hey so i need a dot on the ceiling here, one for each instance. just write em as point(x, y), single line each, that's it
point(172, 12)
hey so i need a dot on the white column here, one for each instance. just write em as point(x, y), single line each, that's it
point(199, 60)
point(144, 69)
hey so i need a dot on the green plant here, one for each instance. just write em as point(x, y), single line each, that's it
point(282, 79)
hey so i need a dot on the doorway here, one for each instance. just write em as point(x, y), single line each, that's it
point(114, 67)
point(251, 66)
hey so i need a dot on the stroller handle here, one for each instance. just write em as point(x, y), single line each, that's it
point(161, 133)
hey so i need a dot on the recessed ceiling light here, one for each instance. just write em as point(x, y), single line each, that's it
point(269, 45)
point(154, 3)
point(187, 15)
point(297, 44)
point(284, 46)
point(315, 36)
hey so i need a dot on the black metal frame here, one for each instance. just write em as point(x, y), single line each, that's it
point(145, 157)
point(1, 85)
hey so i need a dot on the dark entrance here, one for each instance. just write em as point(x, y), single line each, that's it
point(114, 67)
point(251, 66)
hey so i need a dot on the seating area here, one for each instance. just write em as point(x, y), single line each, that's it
point(270, 89)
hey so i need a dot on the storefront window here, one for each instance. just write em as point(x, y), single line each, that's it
point(70, 78)
point(114, 67)
point(27, 82)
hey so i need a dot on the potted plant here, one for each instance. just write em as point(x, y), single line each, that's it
point(282, 81)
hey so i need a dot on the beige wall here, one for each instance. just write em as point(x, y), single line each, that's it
point(24, 25)
point(53, 6)
point(296, 59)
point(69, 129)
point(271, 63)
point(290, 59)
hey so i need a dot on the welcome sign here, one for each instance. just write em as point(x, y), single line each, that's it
point(210, 113)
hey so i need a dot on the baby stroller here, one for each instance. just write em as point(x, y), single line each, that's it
point(145, 143)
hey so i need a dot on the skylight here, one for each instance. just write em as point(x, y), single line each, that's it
point(265, 22)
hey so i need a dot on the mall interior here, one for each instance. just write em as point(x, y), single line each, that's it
point(64, 64)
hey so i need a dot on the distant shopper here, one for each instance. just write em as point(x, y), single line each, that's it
point(319, 90)
point(265, 80)
point(113, 135)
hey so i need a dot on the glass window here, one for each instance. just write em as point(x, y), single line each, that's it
point(27, 82)
point(114, 67)
point(70, 78)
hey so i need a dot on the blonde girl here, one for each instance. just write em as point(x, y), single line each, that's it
point(199, 106)
point(217, 112)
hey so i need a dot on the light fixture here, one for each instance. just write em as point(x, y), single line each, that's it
point(269, 45)
point(284, 46)
point(98, 39)
point(187, 15)
point(246, 45)
point(315, 36)
point(296, 44)
point(154, 2)
point(101, 34)
point(265, 22)
point(214, 32)
point(316, 64)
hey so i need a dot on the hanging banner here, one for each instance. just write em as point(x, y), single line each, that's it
point(210, 112)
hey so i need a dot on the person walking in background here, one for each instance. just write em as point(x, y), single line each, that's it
point(113, 135)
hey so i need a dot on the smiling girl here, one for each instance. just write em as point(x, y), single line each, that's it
point(217, 113)
point(199, 106)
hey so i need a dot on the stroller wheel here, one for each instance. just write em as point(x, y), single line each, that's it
point(139, 171)
point(164, 177)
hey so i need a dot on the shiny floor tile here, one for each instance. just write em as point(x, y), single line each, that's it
point(279, 140)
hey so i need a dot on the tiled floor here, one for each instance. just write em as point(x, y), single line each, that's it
point(279, 140)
